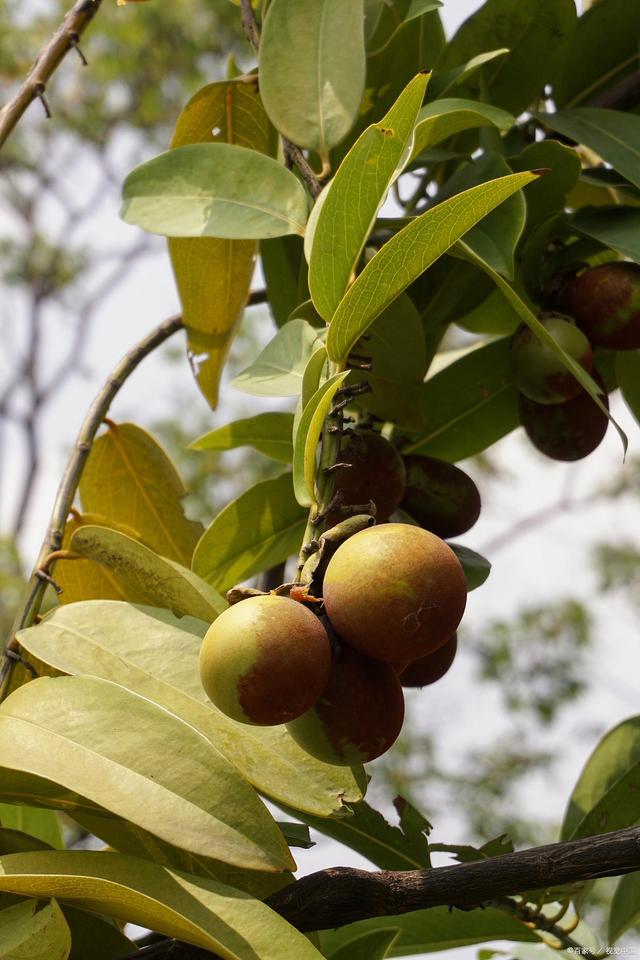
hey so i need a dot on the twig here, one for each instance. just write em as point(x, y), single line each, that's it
point(49, 59)
point(69, 483)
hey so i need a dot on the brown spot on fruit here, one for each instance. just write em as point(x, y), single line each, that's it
point(426, 670)
point(395, 592)
point(376, 472)
point(265, 660)
point(359, 714)
point(605, 303)
point(566, 431)
point(440, 497)
point(539, 374)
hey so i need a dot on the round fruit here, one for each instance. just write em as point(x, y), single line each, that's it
point(428, 669)
point(376, 473)
point(440, 496)
point(565, 431)
point(265, 660)
point(359, 714)
point(395, 592)
point(538, 372)
point(605, 303)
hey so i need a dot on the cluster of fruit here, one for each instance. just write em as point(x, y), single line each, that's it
point(600, 308)
point(393, 595)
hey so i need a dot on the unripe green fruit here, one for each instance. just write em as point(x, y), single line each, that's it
point(359, 714)
point(265, 660)
point(538, 372)
point(428, 669)
point(605, 303)
point(395, 592)
point(440, 497)
point(566, 431)
point(376, 473)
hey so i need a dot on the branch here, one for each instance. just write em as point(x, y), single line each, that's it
point(49, 59)
point(68, 485)
point(624, 95)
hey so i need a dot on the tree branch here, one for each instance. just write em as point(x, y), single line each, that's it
point(69, 484)
point(50, 57)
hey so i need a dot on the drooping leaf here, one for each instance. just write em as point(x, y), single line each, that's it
point(408, 254)
point(156, 655)
point(35, 822)
point(278, 370)
point(624, 911)
point(628, 378)
point(86, 742)
point(36, 934)
point(444, 117)
point(146, 576)
point(270, 433)
point(604, 798)
point(374, 945)
point(613, 134)
point(202, 912)
point(232, 550)
point(308, 430)
point(214, 275)
point(588, 65)
point(355, 195)
point(476, 567)
point(215, 190)
point(128, 478)
point(535, 32)
point(312, 69)
point(469, 405)
point(616, 227)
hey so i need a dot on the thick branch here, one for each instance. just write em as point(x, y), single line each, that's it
point(70, 479)
point(64, 39)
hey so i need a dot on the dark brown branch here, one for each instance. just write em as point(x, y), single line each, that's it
point(64, 39)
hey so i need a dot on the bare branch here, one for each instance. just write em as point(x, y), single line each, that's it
point(49, 59)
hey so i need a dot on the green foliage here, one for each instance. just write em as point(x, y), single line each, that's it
point(270, 433)
point(26, 931)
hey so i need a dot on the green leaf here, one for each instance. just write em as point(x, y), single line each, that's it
point(383, 19)
point(307, 437)
point(279, 369)
point(147, 577)
point(353, 198)
point(428, 931)
point(95, 937)
point(312, 69)
point(36, 822)
point(445, 117)
point(604, 798)
point(476, 567)
point(14, 841)
point(526, 315)
point(469, 405)
point(612, 134)
point(370, 946)
point(214, 275)
point(58, 745)
point(270, 433)
point(312, 376)
point(445, 81)
point(368, 833)
point(232, 550)
point(129, 479)
point(589, 65)
point(36, 934)
point(285, 274)
point(214, 190)
point(628, 378)
point(156, 655)
point(548, 194)
point(535, 32)
point(615, 227)
point(624, 911)
point(408, 254)
point(493, 316)
point(202, 912)
point(83, 579)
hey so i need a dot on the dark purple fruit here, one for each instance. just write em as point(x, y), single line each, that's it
point(605, 303)
point(539, 374)
point(566, 431)
point(440, 497)
point(357, 717)
point(428, 669)
point(376, 472)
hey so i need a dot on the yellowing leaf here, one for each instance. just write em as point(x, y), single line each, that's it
point(84, 579)
point(214, 275)
point(26, 932)
point(129, 479)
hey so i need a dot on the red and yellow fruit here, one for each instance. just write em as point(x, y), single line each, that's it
point(538, 372)
point(565, 431)
point(395, 592)
point(605, 303)
point(359, 714)
point(440, 497)
point(429, 669)
point(265, 660)
point(376, 472)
